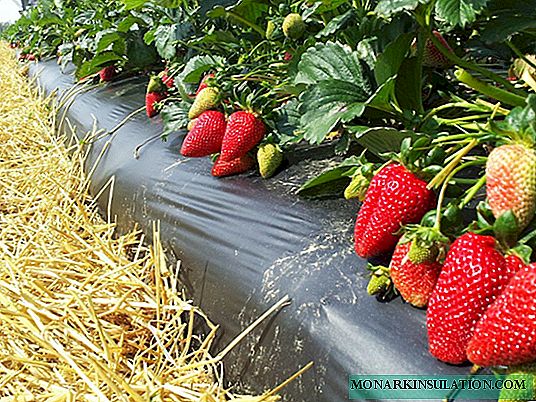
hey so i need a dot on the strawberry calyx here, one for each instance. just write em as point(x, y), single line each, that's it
point(427, 243)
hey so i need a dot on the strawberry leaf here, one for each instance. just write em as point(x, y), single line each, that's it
point(459, 12)
point(390, 7)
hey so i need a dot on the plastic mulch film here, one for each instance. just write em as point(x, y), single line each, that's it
point(244, 243)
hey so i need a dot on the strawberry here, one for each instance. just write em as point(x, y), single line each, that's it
point(506, 334)
point(525, 372)
point(394, 198)
point(206, 136)
point(288, 56)
point(203, 83)
point(414, 281)
point(239, 165)
point(432, 57)
point(511, 182)
point(244, 131)
point(269, 157)
point(156, 92)
point(30, 57)
point(107, 73)
point(150, 99)
point(473, 275)
point(206, 99)
point(166, 79)
point(293, 26)
point(191, 124)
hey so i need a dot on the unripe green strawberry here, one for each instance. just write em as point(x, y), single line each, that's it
point(525, 372)
point(378, 284)
point(511, 182)
point(205, 100)
point(269, 157)
point(293, 26)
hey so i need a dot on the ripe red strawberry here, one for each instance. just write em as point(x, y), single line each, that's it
point(432, 57)
point(415, 282)
point(243, 132)
point(206, 135)
point(511, 182)
point(394, 198)
point(107, 73)
point(287, 56)
point(473, 275)
point(30, 57)
point(236, 166)
point(506, 334)
point(203, 83)
point(150, 99)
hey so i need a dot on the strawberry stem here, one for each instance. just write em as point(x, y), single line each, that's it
point(474, 67)
point(473, 190)
point(458, 156)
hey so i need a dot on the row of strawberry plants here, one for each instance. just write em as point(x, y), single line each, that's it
point(438, 129)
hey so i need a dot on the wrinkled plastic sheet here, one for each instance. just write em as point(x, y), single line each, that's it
point(244, 243)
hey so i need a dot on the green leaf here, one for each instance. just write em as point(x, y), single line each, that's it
point(384, 98)
point(107, 39)
point(198, 65)
point(330, 61)
point(139, 54)
point(380, 140)
point(133, 4)
point(459, 12)
point(328, 103)
point(174, 116)
point(408, 85)
point(98, 62)
point(288, 121)
point(331, 182)
point(506, 228)
point(390, 7)
point(389, 62)
point(336, 24)
point(164, 38)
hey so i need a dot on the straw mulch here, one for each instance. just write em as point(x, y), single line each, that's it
point(84, 314)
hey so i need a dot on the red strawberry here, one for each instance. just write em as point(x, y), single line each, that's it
point(236, 166)
point(150, 99)
point(394, 198)
point(506, 334)
point(287, 56)
point(243, 132)
point(432, 57)
point(473, 275)
point(30, 57)
point(415, 282)
point(107, 73)
point(203, 83)
point(206, 135)
point(166, 79)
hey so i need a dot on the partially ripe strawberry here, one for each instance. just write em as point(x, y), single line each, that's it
point(473, 275)
point(206, 99)
point(244, 131)
point(236, 166)
point(506, 334)
point(206, 136)
point(432, 57)
point(414, 281)
point(150, 99)
point(203, 83)
point(511, 182)
point(107, 73)
point(395, 197)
